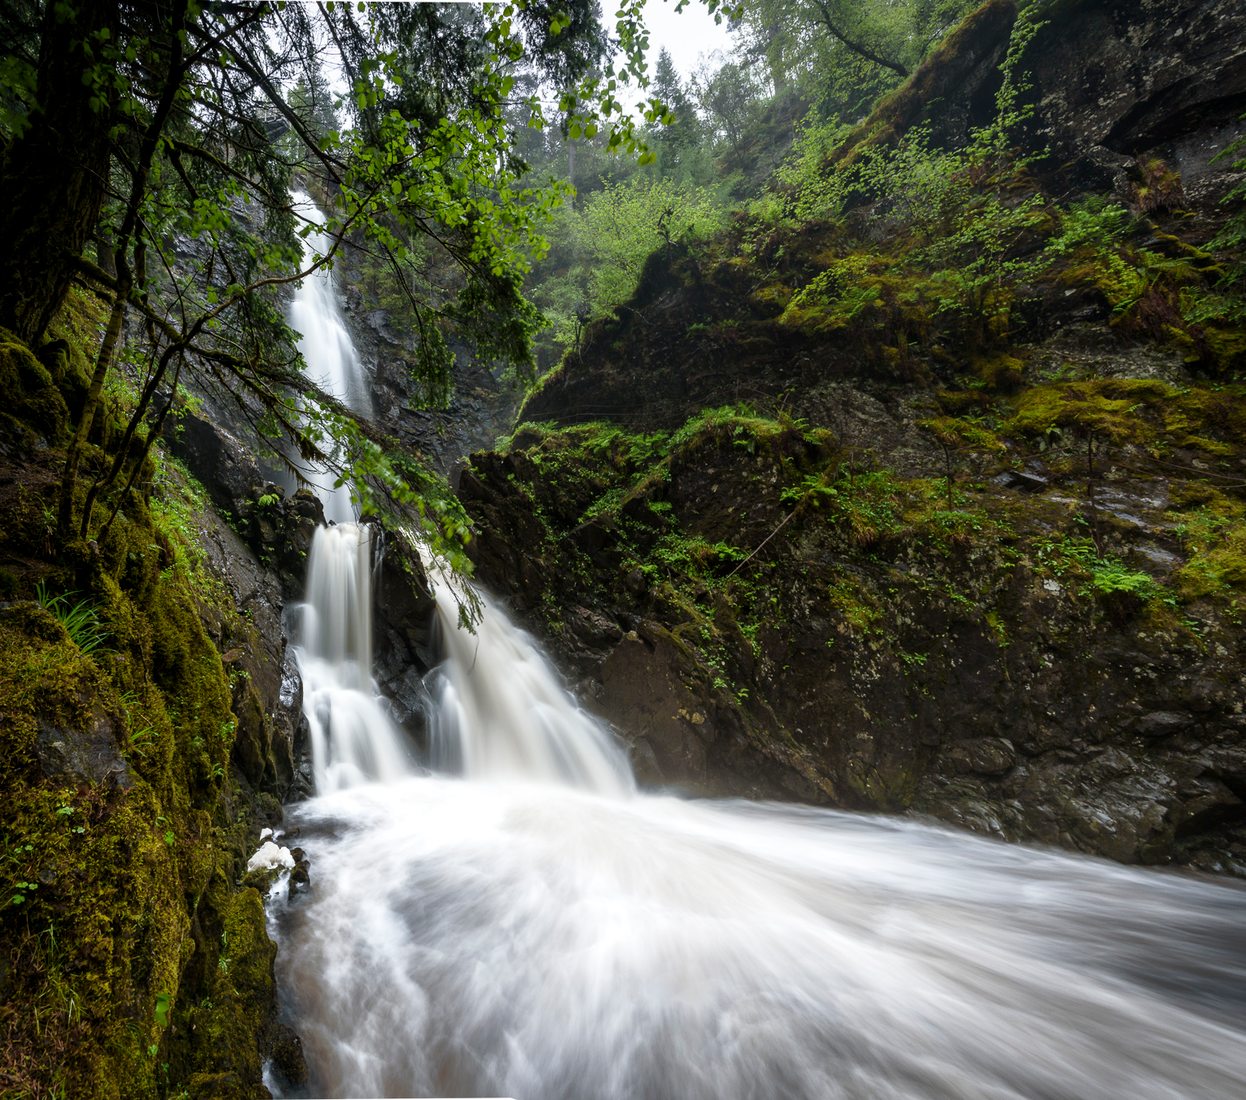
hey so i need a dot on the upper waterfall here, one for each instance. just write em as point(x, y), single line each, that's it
point(325, 344)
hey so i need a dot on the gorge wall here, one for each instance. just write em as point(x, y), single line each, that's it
point(974, 559)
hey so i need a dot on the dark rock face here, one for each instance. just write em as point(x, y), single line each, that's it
point(277, 525)
point(225, 465)
point(482, 401)
point(267, 705)
point(404, 634)
point(1134, 76)
point(1120, 84)
point(88, 753)
point(1112, 83)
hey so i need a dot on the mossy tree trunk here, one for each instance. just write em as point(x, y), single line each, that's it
point(54, 175)
point(130, 271)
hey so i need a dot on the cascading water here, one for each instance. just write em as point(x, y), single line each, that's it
point(532, 926)
point(327, 349)
point(499, 710)
point(353, 740)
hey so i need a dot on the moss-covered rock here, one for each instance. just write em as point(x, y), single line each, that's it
point(133, 966)
point(35, 413)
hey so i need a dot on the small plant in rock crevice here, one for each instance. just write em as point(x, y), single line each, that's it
point(80, 618)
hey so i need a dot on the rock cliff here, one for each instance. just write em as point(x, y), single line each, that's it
point(961, 547)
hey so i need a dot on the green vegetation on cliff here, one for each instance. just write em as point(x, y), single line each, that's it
point(125, 940)
point(973, 546)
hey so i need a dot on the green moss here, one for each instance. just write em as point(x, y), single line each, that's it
point(1213, 536)
point(32, 403)
point(237, 966)
point(860, 612)
point(998, 628)
point(1140, 412)
point(1116, 409)
point(964, 434)
point(1001, 373)
point(120, 809)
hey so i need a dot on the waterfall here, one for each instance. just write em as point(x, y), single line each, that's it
point(520, 921)
point(499, 711)
point(353, 739)
point(327, 349)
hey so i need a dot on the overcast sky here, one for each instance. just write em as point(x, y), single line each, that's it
point(687, 36)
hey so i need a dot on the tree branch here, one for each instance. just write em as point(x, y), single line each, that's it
point(857, 47)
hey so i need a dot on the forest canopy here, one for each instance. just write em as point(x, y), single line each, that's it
point(149, 153)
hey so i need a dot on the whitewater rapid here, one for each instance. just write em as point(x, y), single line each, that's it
point(476, 938)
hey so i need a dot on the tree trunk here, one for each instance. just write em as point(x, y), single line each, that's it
point(54, 175)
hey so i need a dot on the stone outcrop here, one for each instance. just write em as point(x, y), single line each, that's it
point(873, 659)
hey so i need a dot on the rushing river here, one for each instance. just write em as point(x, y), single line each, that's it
point(511, 917)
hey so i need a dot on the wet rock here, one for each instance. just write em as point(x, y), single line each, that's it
point(644, 694)
point(223, 463)
point(404, 625)
point(1023, 480)
point(264, 686)
point(986, 756)
point(87, 753)
point(1205, 804)
point(482, 398)
point(286, 1051)
point(280, 530)
point(1163, 723)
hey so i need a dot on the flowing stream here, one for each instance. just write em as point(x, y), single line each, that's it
point(515, 919)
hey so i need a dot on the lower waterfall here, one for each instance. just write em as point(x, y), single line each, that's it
point(521, 922)
point(352, 738)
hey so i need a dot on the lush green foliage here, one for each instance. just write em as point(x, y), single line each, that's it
point(80, 618)
point(196, 232)
point(603, 245)
point(969, 234)
point(845, 54)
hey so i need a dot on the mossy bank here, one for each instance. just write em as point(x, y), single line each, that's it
point(142, 750)
point(961, 533)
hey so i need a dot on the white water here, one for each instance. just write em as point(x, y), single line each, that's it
point(352, 738)
point(467, 938)
point(499, 710)
point(529, 925)
point(327, 349)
